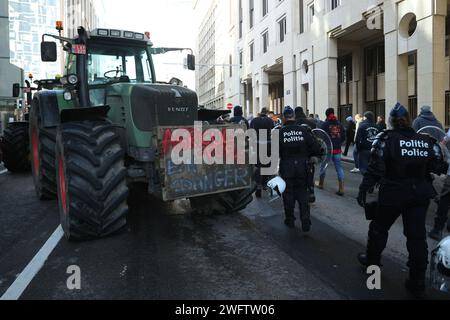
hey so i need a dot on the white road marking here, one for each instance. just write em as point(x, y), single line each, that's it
point(24, 279)
point(3, 172)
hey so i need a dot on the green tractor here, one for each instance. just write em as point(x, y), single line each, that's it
point(107, 123)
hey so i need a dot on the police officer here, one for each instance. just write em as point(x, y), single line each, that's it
point(297, 146)
point(401, 163)
point(301, 119)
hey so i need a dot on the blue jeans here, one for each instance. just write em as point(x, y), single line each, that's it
point(363, 159)
point(356, 157)
point(337, 160)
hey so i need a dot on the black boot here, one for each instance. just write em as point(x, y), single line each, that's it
point(435, 234)
point(312, 196)
point(365, 261)
point(416, 288)
point(305, 216)
point(416, 283)
point(258, 193)
point(290, 219)
point(306, 225)
point(289, 223)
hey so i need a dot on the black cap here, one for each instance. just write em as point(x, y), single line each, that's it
point(238, 111)
point(329, 111)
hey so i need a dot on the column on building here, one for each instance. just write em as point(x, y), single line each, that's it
point(326, 76)
point(431, 66)
point(261, 91)
point(290, 82)
point(396, 74)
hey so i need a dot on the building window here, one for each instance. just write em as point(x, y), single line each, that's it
point(251, 12)
point(265, 41)
point(282, 28)
point(311, 12)
point(241, 19)
point(265, 7)
point(301, 16)
point(335, 4)
point(252, 51)
point(241, 59)
point(231, 65)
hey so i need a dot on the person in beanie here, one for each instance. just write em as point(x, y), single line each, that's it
point(336, 132)
point(297, 146)
point(238, 116)
point(401, 163)
point(426, 118)
point(260, 124)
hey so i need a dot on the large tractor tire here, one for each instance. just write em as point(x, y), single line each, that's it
point(91, 179)
point(43, 142)
point(222, 203)
point(16, 147)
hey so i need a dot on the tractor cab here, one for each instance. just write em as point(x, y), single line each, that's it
point(113, 57)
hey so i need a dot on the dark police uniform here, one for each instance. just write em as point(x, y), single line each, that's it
point(297, 146)
point(401, 163)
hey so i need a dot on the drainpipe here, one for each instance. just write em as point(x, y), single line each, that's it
point(314, 80)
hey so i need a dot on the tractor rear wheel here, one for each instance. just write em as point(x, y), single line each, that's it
point(43, 141)
point(16, 147)
point(91, 179)
point(222, 203)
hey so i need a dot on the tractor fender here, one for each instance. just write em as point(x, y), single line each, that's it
point(47, 103)
point(92, 114)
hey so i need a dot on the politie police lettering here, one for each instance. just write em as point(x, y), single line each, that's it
point(414, 148)
point(293, 136)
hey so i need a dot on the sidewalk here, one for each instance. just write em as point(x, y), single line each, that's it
point(349, 157)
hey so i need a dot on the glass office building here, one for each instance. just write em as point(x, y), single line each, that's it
point(28, 20)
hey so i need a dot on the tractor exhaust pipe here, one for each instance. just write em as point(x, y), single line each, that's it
point(82, 62)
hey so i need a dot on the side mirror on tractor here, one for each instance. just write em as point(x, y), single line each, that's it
point(191, 62)
point(16, 90)
point(48, 51)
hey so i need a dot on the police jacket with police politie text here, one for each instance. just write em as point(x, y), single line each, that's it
point(401, 163)
point(297, 145)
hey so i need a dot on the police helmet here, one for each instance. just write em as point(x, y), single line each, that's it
point(440, 266)
point(277, 187)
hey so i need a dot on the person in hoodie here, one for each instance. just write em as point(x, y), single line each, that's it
point(238, 116)
point(301, 119)
point(365, 137)
point(336, 132)
point(426, 118)
point(260, 124)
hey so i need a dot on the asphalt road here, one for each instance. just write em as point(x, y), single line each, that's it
point(169, 253)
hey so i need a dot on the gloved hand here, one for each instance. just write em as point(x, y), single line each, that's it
point(362, 196)
point(447, 137)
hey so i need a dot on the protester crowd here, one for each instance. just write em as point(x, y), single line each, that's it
point(385, 157)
